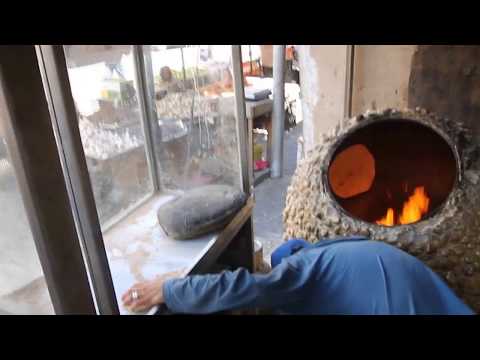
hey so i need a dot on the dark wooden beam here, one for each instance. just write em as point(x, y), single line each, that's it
point(32, 146)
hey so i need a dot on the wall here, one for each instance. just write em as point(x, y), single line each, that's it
point(266, 55)
point(323, 70)
point(381, 76)
point(444, 79)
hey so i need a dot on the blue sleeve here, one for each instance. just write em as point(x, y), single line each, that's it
point(202, 294)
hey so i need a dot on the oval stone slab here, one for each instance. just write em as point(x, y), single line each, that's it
point(200, 211)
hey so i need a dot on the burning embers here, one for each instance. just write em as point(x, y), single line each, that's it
point(413, 210)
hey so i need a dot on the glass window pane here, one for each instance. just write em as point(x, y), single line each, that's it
point(194, 144)
point(195, 136)
point(23, 289)
point(102, 79)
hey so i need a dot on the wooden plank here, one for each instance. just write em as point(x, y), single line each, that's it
point(224, 238)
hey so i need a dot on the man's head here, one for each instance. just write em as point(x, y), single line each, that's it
point(166, 74)
point(287, 249)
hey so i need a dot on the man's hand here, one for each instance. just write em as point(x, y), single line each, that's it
point(144, 295)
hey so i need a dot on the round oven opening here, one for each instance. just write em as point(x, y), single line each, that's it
point(392, 172)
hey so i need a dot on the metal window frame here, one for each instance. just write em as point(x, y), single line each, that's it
point(64, 117)
point(243, 125)
point(143, 75)
point(33, 150)
point(243, 246)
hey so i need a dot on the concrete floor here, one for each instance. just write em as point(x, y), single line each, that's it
point(270, 198)
point(22, 286)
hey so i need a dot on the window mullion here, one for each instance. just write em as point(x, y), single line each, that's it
point(143, 79)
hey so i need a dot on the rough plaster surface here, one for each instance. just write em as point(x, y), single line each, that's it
point(323, 69)
point(447, 241)
point(309, 91)
point(381, 77)
point(446, 78)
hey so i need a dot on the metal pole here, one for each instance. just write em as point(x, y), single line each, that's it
point(250, 54)
point(278, 110)
point(183, 67)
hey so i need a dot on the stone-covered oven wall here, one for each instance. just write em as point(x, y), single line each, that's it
point(448, 241)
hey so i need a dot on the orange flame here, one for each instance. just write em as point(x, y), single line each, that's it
point(413, 209)
point(389, 219)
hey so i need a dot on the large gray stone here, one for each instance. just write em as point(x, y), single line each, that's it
point(200, 211)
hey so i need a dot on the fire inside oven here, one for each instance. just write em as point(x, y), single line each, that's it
point(393, 172)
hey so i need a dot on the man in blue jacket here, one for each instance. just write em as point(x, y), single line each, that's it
point(342, 276)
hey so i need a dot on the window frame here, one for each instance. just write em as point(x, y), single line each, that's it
point(54, 71)
point(53, 66)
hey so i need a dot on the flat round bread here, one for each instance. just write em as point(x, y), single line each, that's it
point(200, 211)
point(352, 171)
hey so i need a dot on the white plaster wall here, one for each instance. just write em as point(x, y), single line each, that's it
point(380, 80)
point(322, 77)
point(266, 55)
point(381, 76)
